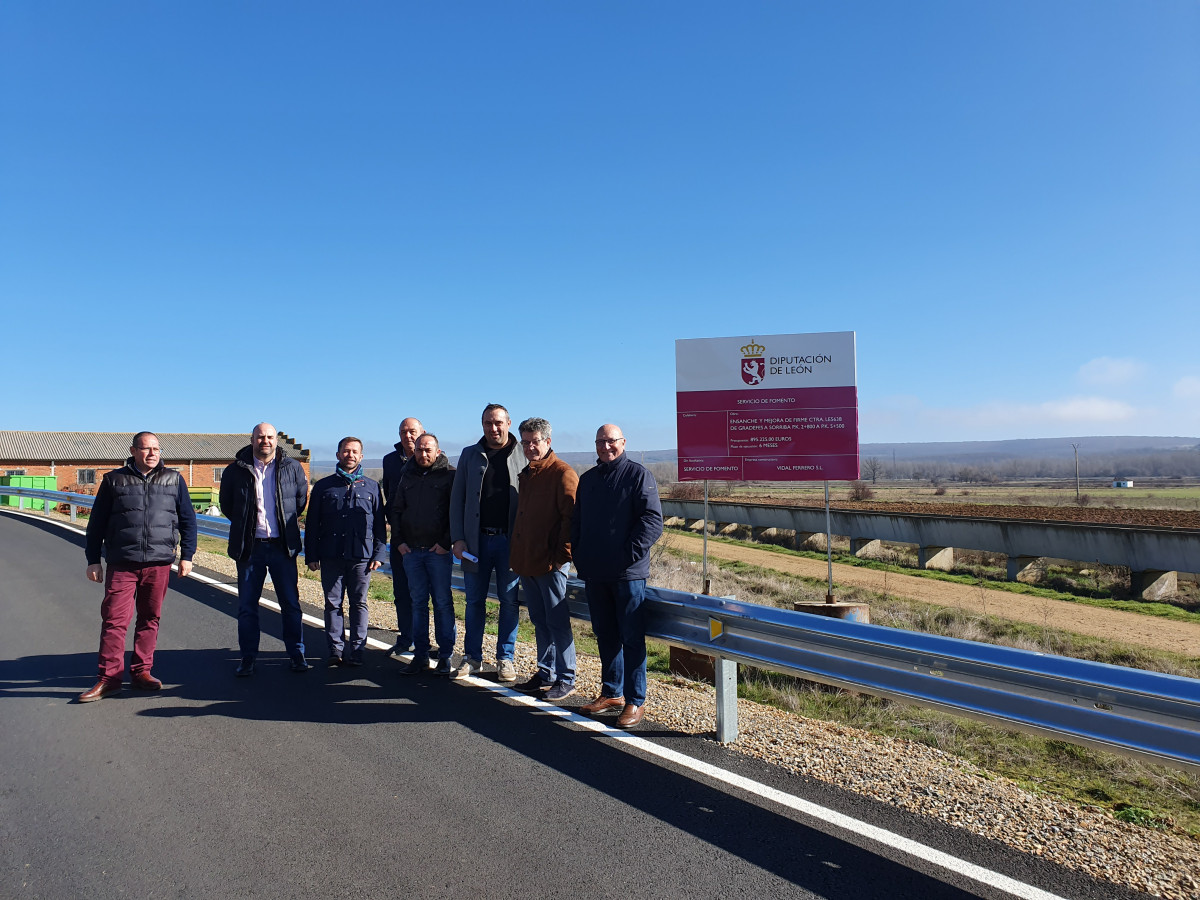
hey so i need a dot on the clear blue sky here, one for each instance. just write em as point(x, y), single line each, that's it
point(331, 216)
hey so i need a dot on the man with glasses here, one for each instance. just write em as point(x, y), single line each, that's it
point(617, 519)
point(139, 512)
point(541, 554)
point(483, 505)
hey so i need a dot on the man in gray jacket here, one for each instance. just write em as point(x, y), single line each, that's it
point(483, 507)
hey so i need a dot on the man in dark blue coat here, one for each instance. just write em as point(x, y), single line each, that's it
point(617, 519)
point(345, 538)
point(140, 511)
point(263, 493)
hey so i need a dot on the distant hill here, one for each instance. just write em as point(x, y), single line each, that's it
point(1030, 448)
point(577, 458)
point(968, 453)
point(971, 451)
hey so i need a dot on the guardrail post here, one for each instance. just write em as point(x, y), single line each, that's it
point(71, 506)
point(725, 672)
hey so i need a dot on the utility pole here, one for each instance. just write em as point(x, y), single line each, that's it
point(1075, 447)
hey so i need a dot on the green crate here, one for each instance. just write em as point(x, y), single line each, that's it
point(44, 483)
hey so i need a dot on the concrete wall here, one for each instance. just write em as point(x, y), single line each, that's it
point(1148, 552)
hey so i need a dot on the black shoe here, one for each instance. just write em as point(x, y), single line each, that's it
point(418, 666)
point(334, 661)
point(352, 661)
point(400, 648)
point(300, 664)
point(560, 691)
point(245, 667)
point(443, 667)
point(534, 685)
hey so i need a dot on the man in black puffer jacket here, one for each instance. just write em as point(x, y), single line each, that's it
point(419, 512)
point(263, 493)
point(141, 510)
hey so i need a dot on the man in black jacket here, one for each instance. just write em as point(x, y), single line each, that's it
point(140, 511)
point(263, 493)
point(393, 465)
point(420, 516)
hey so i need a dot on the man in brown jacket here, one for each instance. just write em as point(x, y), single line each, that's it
point(540, 552)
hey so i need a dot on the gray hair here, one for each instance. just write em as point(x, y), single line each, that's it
point(536, 426)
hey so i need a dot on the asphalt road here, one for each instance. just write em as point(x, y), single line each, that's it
point(356, 783)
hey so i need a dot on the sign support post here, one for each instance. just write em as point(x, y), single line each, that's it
point(828, 546)
point(704, 555)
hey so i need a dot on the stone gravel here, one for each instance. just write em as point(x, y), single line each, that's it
point(907, 774)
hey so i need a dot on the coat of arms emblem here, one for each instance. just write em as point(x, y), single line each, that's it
point(754, 364)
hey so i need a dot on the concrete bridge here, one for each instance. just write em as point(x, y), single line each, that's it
point(1154, 556)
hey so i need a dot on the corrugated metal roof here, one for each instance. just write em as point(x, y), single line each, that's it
point(91, 446)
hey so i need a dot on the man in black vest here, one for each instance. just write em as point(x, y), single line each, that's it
point(141, 510)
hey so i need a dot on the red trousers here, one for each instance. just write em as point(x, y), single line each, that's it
point(126, 589)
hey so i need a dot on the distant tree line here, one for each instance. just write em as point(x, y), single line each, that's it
point(1164, 464)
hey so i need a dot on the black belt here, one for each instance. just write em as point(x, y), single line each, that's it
point(492, 532)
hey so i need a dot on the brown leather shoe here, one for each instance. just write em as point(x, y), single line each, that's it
point(629, 716)
point(600, 704)
point(100, 690)
point(144, 681)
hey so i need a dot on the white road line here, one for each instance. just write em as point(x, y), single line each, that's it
point(820, 815)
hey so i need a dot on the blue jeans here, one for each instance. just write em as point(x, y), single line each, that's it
point(619, 623)
point(341, 578)
point(403, 598)
point(545, 595)
point(493, 556)
point(273, 557)
point(429, 579)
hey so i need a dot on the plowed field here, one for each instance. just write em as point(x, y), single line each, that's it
point(1145, 518)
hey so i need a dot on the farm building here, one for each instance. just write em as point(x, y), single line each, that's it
point(79, 459)
point(1123, 483)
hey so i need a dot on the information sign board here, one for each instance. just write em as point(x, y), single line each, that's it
point(767, 408)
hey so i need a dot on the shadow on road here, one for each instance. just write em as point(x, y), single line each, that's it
point(200, 683)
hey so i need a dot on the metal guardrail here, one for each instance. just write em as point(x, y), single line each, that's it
point(1121, 710)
